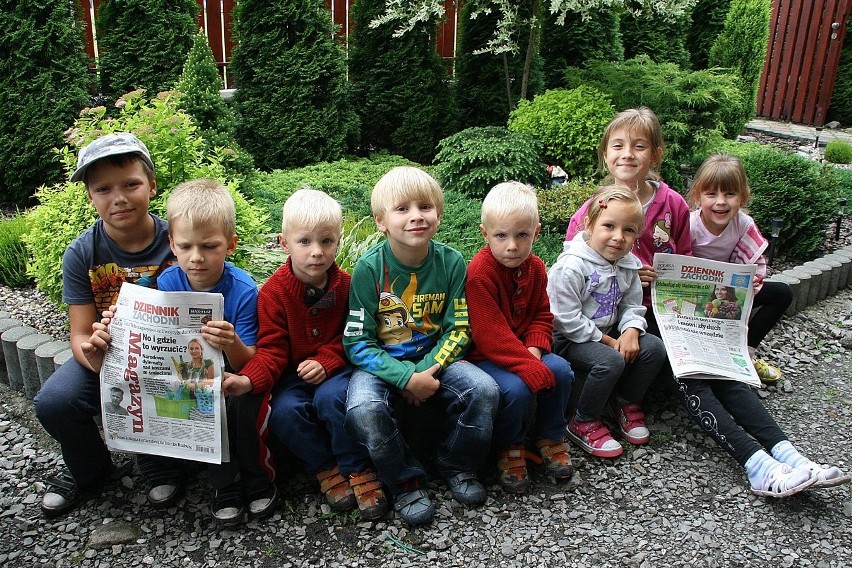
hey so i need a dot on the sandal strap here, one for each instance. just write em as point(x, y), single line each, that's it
point(409, 498)
point(515, 456)
point(554, 451)
point(329, 481)
point(364, 482)
point(62, 484)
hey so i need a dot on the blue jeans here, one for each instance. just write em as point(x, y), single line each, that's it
point(66, 406)
point(467, 397)
point(516, 402)
point(309, 420)
point(608, 373)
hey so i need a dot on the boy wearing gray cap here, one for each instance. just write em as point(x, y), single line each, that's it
point(126, 244)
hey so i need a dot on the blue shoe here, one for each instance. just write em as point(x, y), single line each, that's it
point(467, 489)
point(414, 507)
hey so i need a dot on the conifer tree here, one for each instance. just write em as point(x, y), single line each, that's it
point(577, 42)
point(290, 76)
point(43, 85)
point(143, 43)
point(200, 85)
point(400, 86)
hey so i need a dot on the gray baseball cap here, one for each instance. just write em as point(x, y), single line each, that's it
point(110, 145)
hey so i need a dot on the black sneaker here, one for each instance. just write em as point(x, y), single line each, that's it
point(63, 494)
point(228, 506)
point(262, 503)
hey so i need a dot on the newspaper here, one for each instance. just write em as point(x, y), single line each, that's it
point(161, 381)
point(702, 308)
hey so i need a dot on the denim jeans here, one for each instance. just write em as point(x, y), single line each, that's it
point(309, 420)
point(467, 397)
point(66, 406)
point(516, 402)
point(608, 373)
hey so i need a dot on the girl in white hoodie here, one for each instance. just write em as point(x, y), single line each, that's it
point(599, 320)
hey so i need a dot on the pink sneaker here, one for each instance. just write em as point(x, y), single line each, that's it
point(631, 422)
point(594, 438)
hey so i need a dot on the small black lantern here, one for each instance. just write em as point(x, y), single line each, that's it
point(777, 223)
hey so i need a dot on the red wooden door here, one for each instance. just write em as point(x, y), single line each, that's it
point(805, 39)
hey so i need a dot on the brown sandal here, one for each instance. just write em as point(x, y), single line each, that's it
point(556, 459)
point(369, 494)
point(336, 489)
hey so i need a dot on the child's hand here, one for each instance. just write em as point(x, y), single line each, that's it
point(95, 348)
point(310, 371)
point(219, 334)
point(535, 351)
point(236, 385)
point(628, 344)
point(647, 275)
point(422, 385)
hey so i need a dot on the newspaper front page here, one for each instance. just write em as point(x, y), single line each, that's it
point(161, 381)
point(702, 308)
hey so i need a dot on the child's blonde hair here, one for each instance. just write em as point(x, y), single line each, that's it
point(510, 198)
point(402, 184)
point(642, 120)
point(203, 201)
point(723, 172)
point(310, 208)
point(608, 193)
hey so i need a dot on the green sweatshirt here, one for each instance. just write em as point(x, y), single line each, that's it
point(402, 319)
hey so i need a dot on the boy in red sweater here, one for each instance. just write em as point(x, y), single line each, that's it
point(302, 311)
point(512, 329)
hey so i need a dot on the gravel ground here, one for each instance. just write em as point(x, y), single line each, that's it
point(680, 501)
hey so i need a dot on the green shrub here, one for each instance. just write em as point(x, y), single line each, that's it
point(576, 42)
point(695, 108)
point(844, 180)
point(143, 43)
point(178, 154)
point(460, 223)
point(43, 85)
point(661, 39)
point(569, 124)
point(484, 93)
point(838, 152)
point(199, 86)
point(291, 98)
point(840, 108)
point(785, 185)
point(556, 204)
point(474, 160)
point(400, 87)
point(741, 46)
point(350, 181)
point(13, 252)
point(706, 23)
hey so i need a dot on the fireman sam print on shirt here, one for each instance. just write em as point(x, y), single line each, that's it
point(396, 329)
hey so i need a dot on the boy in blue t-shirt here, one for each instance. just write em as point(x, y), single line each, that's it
point(126, 244)
point(202, 234)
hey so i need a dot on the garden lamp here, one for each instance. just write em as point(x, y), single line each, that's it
point(777, 223)
point(841, 211)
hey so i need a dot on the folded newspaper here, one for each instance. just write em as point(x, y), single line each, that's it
point(702, 308)
point(161, 381)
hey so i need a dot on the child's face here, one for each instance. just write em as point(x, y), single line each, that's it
point(629, 156)
point(510, 239)
point(409, 226)
point(614, 232)
point(120, 194)
point(200, 252)
point(195, 350)
point(721, 292)
point(718, 208)
point(311, 251)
